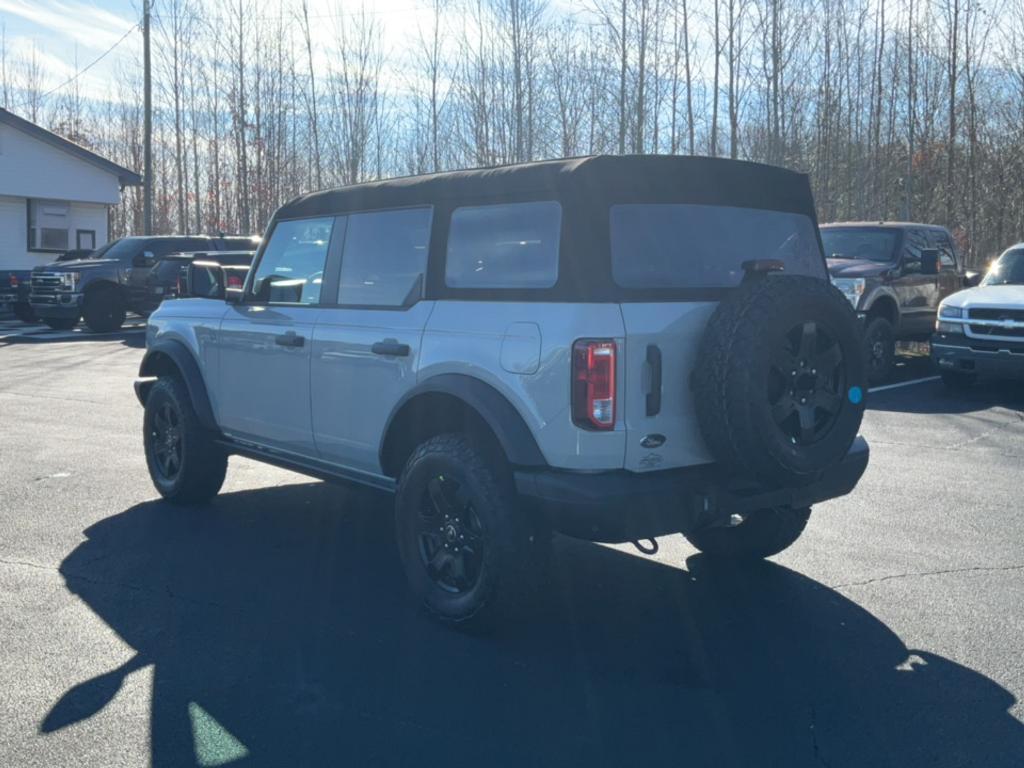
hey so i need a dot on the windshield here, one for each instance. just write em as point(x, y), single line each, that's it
point(1008, 269)
point(704, 246)
point(121, 249)
point(869, 243)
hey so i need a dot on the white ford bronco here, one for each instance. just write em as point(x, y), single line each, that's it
point(615, 348)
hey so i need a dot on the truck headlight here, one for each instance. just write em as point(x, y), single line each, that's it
point(941, 326)
point(69, 280)
point(945, 310)
point(851, 287)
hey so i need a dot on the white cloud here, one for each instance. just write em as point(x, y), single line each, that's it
point(62, 22)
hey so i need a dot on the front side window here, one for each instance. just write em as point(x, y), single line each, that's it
point(48, 225)
point(704, 246)
point(915, 241)
point(292, 267)
point(513, 245)
point(385, 257)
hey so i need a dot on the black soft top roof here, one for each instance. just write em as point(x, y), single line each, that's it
point(583, 181)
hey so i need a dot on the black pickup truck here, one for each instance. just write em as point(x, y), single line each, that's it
point(110, 282)
point(895, 274)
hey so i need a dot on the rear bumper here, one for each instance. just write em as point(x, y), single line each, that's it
point(1002, 359)
point(626, 506)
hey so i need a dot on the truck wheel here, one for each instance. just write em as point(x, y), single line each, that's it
point(24, 312)
point(879, 350)
point(61, 323)
point(185, 463)
point(958, 382)
point(779, 380)
point(465, 544)
point(761, 534)
point(104, 309)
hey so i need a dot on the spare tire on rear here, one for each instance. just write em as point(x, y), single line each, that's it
point(779, 382)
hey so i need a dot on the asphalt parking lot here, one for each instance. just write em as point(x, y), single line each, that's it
point(273, 627)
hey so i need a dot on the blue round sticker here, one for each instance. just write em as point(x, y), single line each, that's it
point(855, 395)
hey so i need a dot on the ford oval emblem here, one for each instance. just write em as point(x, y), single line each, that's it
point(653, 441)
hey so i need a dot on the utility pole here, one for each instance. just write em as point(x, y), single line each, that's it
point(147, 139)
point(911, 108)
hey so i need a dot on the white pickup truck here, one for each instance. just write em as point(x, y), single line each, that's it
point(980, 331)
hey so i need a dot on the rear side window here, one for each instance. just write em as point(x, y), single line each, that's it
point(513, 245)
point(704, 246)
point(168, 269)
point(292, 266)
point(175, 245)
point(385, 257)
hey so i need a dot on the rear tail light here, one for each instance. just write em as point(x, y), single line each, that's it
point(13, 281)
point(235, 281)
point(593, 384)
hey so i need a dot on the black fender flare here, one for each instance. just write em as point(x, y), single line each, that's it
point(154, 364)
point(883, 293)
point(508, 426)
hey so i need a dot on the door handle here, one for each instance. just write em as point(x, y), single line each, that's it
point(391, 348)
point(290, 339)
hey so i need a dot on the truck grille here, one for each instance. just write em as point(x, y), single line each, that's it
point(995, 322)
point(45, 283)
point(989, 330)
point(995, 313)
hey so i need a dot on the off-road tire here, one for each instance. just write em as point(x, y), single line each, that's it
point(958, 382)
point(514, 548)
point(104, 309)
point(61, 323)
point(201, 464)
point(879, 350)
point(751, 412)
point(762, 534)
point(24, 312)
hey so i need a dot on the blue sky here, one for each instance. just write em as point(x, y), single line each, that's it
point(66, 35)
point(61, 31)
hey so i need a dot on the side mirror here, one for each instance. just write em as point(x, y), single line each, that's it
point(929, 261)
point(144, 259)
point(972, 279)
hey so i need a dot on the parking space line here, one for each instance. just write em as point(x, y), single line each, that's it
point(903, 384)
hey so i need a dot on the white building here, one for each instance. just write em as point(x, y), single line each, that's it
point(54, 194)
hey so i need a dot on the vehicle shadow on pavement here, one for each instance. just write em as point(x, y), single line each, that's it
point(933, 397)
point(280, 633)
point(129, 338)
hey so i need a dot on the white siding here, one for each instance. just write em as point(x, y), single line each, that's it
point(14, 253)
point(33, 168)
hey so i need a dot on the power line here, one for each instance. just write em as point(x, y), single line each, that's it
point(82, 71)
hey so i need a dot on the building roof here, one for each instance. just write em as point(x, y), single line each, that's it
point(125, 176)
point(580, 181)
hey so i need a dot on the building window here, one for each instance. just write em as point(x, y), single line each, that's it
point(48, 225)
point(85, 238)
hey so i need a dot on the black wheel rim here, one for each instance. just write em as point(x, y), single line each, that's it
point(877, 352)
point(450, 537)
point(166, 440)
point(806, 382)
